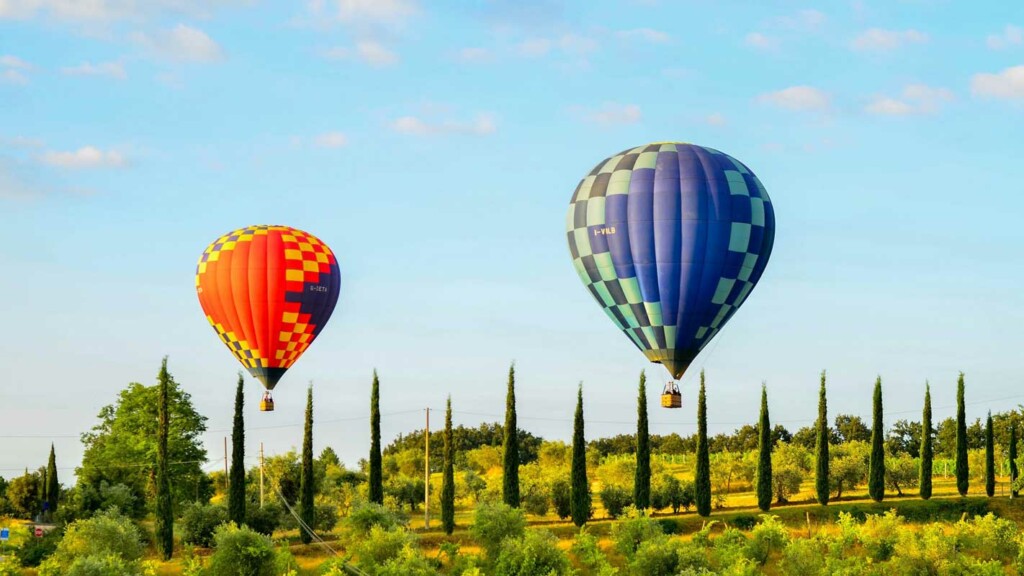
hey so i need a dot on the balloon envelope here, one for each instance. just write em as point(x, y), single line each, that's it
point(670, 238)
point(268, 291)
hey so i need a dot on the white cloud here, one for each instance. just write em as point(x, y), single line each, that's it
point(1005, 85)
point(716, 119)
point(22, 142)
point(10, 76)
point(380, 11)
point(372, 53)
point(481, 125)
point(801, 98)
point(804, 20)
point(760, 41)
point(568, 44)
point(182, 43)
point(85, 157)
point(1011, 36)
point(13, 70)
point(915, 99)
point(474, 55)
point(108, 69)
point(881, 40)
point(646, 35)
point(885, 106)
point(610, 113)
point(330, 140)
point(533, 47)
point(100, 11)
point(8, 61)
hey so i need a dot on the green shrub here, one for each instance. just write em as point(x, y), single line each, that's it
point(34, 550)
point(264, 520)
point(560, 498)
point(381, 546)
point(729, 548)
point(767, 537)
point(744, 521)
point(106, 535)
point(615, 499)
point(536, 502)
point(493, 523)
point(588, 555)
point(241, 552)
point(9, 566)
point(633, 530)
point(98, 565)
point(326, 516)
point(199, 522)
point(365, 515)
point(879, 535)
point(990, 537)
point(657, 556)
point(535, 553)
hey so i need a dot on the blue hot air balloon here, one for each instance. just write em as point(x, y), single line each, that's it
point(670, 239)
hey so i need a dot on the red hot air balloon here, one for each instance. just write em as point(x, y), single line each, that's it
point(268, 291)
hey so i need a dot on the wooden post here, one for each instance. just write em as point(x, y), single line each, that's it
point(261, 474)
point(426, 476)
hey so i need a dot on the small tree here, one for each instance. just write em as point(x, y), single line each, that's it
point(876, 465)
point(164, 511)
point(702, 476)
point(561, 498)
point(236, 493)
point(1013, 460)
point(579, 487)
point(961, 439)
point(376, 480)
point(510, 455)
point(642, 476)
point(306, 508)
point(52, 484)
point(926, 445)
point(990, 460)
point(821, 484)
point(764, 455)
point(448, 477)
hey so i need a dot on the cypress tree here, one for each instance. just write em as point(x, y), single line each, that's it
point(306, 475)
point(764, 455)
point(376, 488)
point(236, 490)
point(579, 487)
point(510, 446)
point(52, 485)
point(926, 445)
point(961, 439)
point(821, 479)
point(702, 475)
point(876, 466)
point(164, 511)
point(1013, 459)
point(642, 477)
point(990, 460)
point(448, 477)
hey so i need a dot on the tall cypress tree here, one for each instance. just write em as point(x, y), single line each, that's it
point(1013, 459)
point(579, 487)
point(236, 490)
point(876, 466)
point(376, 488)
point(642, 477)
point(990, 459)
point(764, 455)
point(448, 477)
point(702, 475)
point(926, 445)
point(961, 439)
point(164, 510)
point(510, 446)
point(52, 485)
point(306, 475)
point(821, 479)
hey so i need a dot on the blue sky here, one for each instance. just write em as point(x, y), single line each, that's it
point(435, 147)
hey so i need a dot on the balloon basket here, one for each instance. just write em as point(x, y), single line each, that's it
point(267, 403)
point(671, 397)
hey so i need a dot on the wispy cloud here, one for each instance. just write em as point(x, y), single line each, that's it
point(100, 11)
point(646, 35)
point(182, 43)
point(802, 21)
point(374, 11)
point(761, 42)
point(569, 44)
point(716, 119)
point(481, 125)
point(84, 158)
point(1010, 36)
point(915, 99)
point(1005, 85)
point(22, 142)
point(609, 113)
point(799, 98)
point(474, 55)
point(878, 39)
point(13, 70)
point(104, 69)
point(369, 52)
point(330, 140)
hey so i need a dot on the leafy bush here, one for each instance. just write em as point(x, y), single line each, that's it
point(380, 546)
point(744, 521)
point(409, 562)
point(536, 501)
point(199, 522)
point(632, 531)
point(493, 523)
point(989, 537)
point(365, 515)
point(34, 550)
point(264, 520)
point(535, 553)
point(880, 534)
point(326, 517)
point(615, 499)
point(768, 536)
point(561, 498)
point(589, 555)
point(241, 551)
point(658, 556)
point(104, 536)
point(9, 566)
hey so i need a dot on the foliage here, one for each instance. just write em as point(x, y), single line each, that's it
point(236, 484)
point(961, 439)
point(876, 463)
point(241, 551)
point(33, 550)
point(52, 484)
point(767, 537)
point(579, 487)
point(632, 530)
point(658, 556)
point(702, 476)
point(901, 472)
point(925, 475)
point(107, 538)
point(164, 498)
point(510, 446)
point(764, 460)
point(535, 553)
point(200, 521)
point(588, 555)
point(642, 478)
point(990, 464)
point(376, 482)
point(904, 437)
point(307, 510)
point(536, 500)
point(381, 547)
point(1012, 455)
point(849, 466)
point(448, 479)
point(790, 465)
point(264, 520)
point(561, 498)
point(821, 476)
point(365, 515)
point(615, 499)
point(23, 494)
point(495, 522)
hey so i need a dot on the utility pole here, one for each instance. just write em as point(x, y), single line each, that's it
point(261, 474)
point(426, 477)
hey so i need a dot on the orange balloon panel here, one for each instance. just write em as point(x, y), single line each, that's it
point(268, 291)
